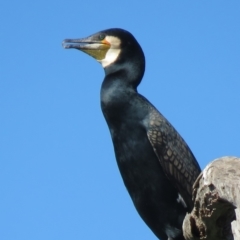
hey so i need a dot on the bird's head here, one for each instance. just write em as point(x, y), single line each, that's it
point(114, 48)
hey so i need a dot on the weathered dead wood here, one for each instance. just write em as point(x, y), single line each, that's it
point(216, 195)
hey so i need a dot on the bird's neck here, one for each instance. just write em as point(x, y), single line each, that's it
point(120, 85)
point(116, 90)
point(116, 95)
point(129, 72)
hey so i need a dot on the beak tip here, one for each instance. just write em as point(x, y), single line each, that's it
point(65, 44)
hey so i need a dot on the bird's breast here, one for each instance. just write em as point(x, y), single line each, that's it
point(136, 159)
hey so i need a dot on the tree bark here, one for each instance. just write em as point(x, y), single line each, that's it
point(216, 195)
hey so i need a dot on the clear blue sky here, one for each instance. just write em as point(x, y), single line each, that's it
point(58, 175)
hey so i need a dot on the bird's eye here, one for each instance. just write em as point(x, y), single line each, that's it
point(101, 37)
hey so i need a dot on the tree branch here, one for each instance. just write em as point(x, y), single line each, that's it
point(216, 195)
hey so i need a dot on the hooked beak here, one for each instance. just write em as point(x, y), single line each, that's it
point(90, 45)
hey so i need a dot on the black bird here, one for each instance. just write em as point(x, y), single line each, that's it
point(157, 166)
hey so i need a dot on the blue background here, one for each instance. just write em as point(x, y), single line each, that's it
point(58, 175)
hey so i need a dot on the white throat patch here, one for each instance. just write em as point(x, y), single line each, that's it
point(113, 52)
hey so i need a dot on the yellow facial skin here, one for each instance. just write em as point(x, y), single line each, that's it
point(100, 51)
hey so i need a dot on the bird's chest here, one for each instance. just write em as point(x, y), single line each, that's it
point(136, 159)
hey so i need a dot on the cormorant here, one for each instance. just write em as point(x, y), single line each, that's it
point(157, 166)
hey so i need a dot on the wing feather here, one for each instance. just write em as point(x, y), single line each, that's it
point(175, 157)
